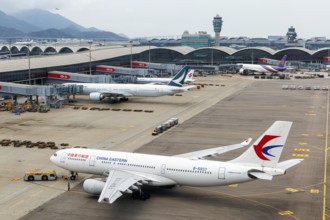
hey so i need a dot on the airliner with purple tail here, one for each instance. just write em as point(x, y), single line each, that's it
point(264, 68)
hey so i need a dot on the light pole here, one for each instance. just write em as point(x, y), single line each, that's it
point(131, 42)
point(9, 48)
point(90, 57)
point(149, 52)
point(211, 56)
point(29, 64)
point(252, 55)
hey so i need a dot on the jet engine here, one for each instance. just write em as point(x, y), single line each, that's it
point(96, 96)
point(242, 71)
point(93, 186)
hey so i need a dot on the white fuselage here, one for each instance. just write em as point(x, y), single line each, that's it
point(254, 67)
point(163, 170)
point(145, 80)
point(130, 89)
point(262, 68)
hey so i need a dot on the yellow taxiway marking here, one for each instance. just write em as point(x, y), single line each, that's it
point(317, 135)
point(309, 114)
point(15, 179)
point(300, 155)
point(325, 162)
point(287, 212)
point(301, 149)
point(233, 185)
point(303, 143)
point(314, 191)
point(292, 190)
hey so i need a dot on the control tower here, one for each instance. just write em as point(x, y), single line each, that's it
point(291, 35)
point(217, 25)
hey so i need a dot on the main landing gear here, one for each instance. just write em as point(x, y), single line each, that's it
point(140, 195)
point(73, 175)
point(118, 99)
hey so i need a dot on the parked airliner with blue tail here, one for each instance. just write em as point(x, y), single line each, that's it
point(120, 92)
point(263, 68)
point(126, 172)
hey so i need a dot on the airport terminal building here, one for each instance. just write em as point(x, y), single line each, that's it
point(39, 60)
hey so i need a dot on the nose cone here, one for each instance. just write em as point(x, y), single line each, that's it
point(52, 158)
point(55, 158)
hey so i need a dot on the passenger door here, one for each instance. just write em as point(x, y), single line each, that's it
point(222, 173)
point(92, 161)
point(163, 169)
point(63, 157)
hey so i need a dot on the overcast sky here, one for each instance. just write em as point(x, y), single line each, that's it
point(148, 18)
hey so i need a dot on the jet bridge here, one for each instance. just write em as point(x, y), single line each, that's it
point(53, 94)
point(61, 77)
point(119, 71)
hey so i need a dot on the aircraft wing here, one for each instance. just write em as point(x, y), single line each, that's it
point(212, 151)
point(117, 183)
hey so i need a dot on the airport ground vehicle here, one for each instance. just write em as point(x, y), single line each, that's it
point(166, 125)
point(40, 175)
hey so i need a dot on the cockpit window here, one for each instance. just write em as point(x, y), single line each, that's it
point(55, 155)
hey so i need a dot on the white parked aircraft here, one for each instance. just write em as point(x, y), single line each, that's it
point(127, 172)
point(120, 92)
point(25, 43)
point(264, 68)
point(153, 80)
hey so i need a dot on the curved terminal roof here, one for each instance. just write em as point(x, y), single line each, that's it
point(73, 55)
point(264, 49)
point(227, 50)
point(301, 49)
point(180, 49)
point(66, 59)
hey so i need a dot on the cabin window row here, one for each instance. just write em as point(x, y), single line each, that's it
point(131, 165)
point(80, 159)
point(189, 171)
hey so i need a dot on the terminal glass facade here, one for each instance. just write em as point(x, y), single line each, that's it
point(201, 39)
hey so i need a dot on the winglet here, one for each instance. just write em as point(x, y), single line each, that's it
point(246, 142)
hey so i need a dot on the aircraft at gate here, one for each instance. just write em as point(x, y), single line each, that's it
point(127, 172)
point(120, 92)
point(264, 68)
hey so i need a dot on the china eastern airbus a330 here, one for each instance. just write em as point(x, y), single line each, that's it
point(127, 172)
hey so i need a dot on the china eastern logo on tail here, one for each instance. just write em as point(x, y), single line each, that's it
point(262, 149)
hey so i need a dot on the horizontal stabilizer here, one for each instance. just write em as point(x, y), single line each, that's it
point(288, 163)
point(260, 175)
